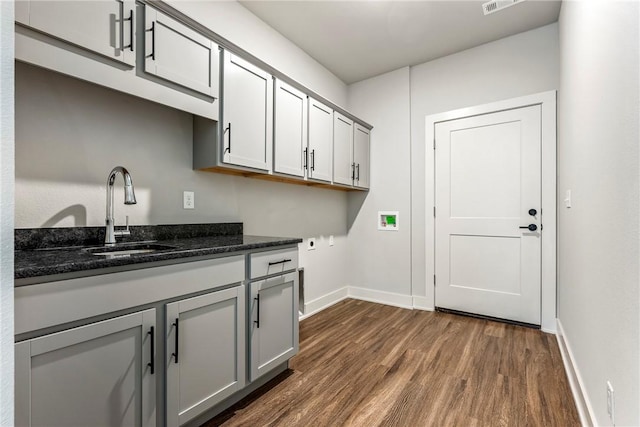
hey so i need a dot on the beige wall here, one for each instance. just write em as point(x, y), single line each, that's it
point(598, 241)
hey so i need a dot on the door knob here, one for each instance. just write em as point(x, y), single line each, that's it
point(531, 227)
point(533, 212)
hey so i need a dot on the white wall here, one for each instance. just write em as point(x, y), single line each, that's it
point(381, 260)
point(234, 22)
point(514, 66)
point(598, 137)
point(6, 213)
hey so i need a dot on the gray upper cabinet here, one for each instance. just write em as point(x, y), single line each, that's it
point(176, 53)
point(105, 27)
point(320, 141)
point(205, 355)
point(247, 114)
point(101, 374)
point(290, 130)
point(343, 166)
point(361, 156)
point(274, 336)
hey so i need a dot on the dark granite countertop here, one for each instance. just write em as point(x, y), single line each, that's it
point(47, 252)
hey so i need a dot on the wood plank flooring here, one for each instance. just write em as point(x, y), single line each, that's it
point(365, 364)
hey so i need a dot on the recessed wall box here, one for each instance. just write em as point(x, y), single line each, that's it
point(388, 220)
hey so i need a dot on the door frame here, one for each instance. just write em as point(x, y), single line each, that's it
point(547, 101)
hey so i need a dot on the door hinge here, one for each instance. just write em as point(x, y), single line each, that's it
point(434, 143)
point(434, 280)
point(434, 211)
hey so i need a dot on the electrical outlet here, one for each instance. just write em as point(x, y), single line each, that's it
point(611, 403)
point(311, 244)
point(331, 240)
point(188, 200)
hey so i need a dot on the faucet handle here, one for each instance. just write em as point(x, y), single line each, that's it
point(124, 232)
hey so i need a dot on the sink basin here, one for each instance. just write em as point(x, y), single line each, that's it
point(126, 250)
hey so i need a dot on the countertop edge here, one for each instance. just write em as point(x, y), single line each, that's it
point(37, 275)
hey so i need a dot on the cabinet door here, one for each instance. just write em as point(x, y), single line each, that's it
point(343, 166)
point(205, 352)
point(361, 155)
point(290, 130)
point(320, 141)
point(105, 27)
point(102, 374)
point(247, 114)
point(177, 53)
point(274, 323)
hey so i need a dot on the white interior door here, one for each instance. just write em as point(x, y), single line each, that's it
point(488, 178)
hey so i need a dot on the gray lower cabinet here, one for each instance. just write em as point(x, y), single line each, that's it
point(274, 323)
point(101, 374)
point(205, 354)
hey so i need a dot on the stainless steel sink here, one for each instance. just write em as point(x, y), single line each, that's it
point(125, 250)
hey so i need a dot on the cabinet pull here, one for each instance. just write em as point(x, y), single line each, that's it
point(228, 129)
point(279, 262)
point(257, 321)
point(175, 352)
point(313, 159)
point(130, 19)
point(306, 150)
point(353, 171)
point(152, 363)
point(358, 172)
point(153, 41)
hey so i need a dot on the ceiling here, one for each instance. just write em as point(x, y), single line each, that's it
point(361, 39)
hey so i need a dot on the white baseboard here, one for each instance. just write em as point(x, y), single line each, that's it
point(381, 297)
point(585, 410)
point(422, 303)
point(325, 301)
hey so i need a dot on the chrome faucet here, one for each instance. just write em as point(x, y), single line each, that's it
point(129, 199)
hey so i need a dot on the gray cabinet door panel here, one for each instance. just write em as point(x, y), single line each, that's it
point(343, 168)
point(320, 141)
point(290, 130)
point(177, 53)
point(211, 352)
point(361, 155)
point(100, 26)
point(247, 113)
point(94, 375)
point(274, 322)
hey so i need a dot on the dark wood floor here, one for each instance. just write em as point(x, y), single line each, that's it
point(365, 364)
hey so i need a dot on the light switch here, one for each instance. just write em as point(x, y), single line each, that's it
point(567, 199)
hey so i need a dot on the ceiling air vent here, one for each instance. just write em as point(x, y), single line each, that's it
point(496, 5)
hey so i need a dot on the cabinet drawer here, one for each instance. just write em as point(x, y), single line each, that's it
point(272, 262)
point(55, 303)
